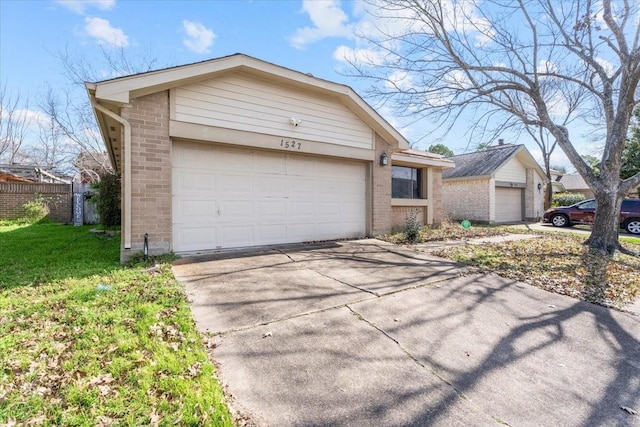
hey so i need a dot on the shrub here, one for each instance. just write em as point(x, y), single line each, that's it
point(34, 211)
point(412, 227)
point(566, 199)
point(108, 200)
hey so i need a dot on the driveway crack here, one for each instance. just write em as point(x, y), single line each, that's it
point(327, 276)
point(423, 366)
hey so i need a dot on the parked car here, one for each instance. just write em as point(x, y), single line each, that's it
point(584, 212)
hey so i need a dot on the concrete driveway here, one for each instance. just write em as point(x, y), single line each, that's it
point(365, 333)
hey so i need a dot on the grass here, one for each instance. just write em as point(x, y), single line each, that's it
point(85, 341)
point(556, 262)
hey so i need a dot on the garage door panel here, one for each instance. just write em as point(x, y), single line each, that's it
point(271, 208)
point(186, 181)
point(237, 208)
point(299, 166)
point(197, 238)
point(270, 185)
point(188, 210)
point(234, 184)
point(248, 197)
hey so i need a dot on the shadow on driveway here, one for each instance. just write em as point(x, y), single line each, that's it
point(363, 333)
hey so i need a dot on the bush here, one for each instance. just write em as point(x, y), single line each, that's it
point(34, 210)
point(412, 227)
point(108, 200)
point(566, 199)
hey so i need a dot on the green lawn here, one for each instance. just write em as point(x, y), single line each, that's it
point(87, 342)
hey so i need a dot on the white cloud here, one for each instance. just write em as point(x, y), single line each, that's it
point(79, 6)
point(608, 66)
point(101, 30)
point(359, 56)
point(328, 19)
point(399, 79)
point(199, 38)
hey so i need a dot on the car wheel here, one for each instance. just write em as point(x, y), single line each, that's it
point(633, 226)
point(560, 220)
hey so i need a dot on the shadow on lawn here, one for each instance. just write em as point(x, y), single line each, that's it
point(45, 252)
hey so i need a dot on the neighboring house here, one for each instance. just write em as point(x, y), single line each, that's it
point(416, 186)
point(574, 183)
point(556, 185)
point(34, 173)
point(236, 152)
point(501, 184)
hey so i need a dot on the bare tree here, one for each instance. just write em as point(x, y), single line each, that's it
point(14, 123)
point(70, 134)
point(71, 125)
point(552, 64)
point(545, 141)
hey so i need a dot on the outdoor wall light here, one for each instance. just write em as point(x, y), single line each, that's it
point(539, 186)
point(384, 159)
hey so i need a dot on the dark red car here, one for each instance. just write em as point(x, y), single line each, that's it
point(583, 213)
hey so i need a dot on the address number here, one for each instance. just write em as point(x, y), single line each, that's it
point(290, 144)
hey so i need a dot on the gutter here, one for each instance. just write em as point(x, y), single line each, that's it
point(126, 167)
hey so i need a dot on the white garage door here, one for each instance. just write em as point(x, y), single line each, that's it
point(226, 197)
point(508, 204)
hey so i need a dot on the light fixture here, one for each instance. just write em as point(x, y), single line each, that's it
point(539, 186)
point(384, 159)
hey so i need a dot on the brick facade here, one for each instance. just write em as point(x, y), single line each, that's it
point(381, 191)
point(399, 216)
point(436, 196)
point(58, 198)
point(469, 199)
point(150, 173)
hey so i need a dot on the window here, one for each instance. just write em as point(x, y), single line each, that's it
point(406, 182)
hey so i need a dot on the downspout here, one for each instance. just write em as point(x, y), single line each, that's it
point(126, 169)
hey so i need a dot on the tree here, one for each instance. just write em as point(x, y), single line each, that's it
point(14, 123)
point(441, 149)
point(547, 144)
point(549, 64)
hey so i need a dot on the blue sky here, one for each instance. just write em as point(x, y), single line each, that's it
point(308, 36)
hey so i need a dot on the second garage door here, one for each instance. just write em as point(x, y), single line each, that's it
point(508, 204)
point(226, 197)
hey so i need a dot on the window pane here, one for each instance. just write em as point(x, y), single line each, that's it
point(405, 182)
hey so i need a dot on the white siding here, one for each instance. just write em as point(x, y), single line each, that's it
point(512, 171)
point(243, 102)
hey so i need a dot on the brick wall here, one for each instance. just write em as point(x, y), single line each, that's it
point(58, 198)
point(468, 199)
point(381, 196)
point(436, 196)
point(150, 173)
point(399, 216)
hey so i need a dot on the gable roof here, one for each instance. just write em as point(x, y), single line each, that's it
point(116, 93)
point(574, 182)
point(480, 163)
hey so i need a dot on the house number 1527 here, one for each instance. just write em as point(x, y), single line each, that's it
point(290, 144)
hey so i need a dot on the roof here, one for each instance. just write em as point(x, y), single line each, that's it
point(574, 182)
point(486, 163)
point(116, 93)
point(481, 163)
point(420, 158)
point(7, 177)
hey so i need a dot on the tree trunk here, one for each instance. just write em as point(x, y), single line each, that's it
point(604, 234)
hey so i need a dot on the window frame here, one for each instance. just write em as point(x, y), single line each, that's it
point(416, 191)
